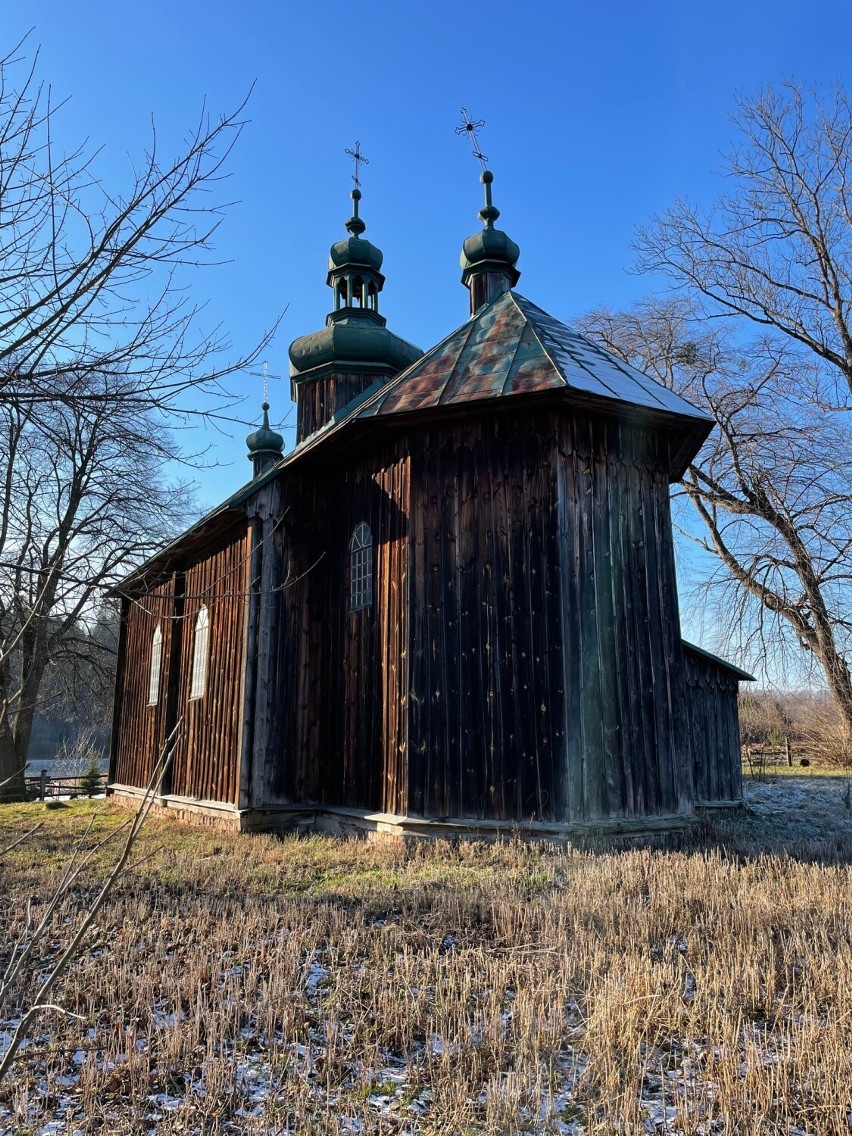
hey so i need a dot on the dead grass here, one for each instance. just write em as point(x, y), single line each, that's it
point(255, 985)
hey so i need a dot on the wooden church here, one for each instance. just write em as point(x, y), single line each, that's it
point(452, 608)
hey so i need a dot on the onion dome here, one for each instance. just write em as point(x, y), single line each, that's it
point(355, 338)
point(354, 249)
point(488, 258)
point(265, 446)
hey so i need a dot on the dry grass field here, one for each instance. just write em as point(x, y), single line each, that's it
point(243, 984)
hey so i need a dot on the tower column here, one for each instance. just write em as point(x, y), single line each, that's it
point(331, 367)
point(488, 257)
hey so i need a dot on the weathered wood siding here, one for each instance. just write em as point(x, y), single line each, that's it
point(522, 657)
point(334, 680)
point(714, 730)
point(318, 399)
point(626, 750)
point(139, 730)
point(545, 639)
point(206, 762)
point(486, 701)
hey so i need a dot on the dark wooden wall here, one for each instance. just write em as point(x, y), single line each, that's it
point(206, 760)
point(522, 658)
point(545, 641)
point(318, 399)
point(485, 712)
point(626, 748)
point(714, 730)
point(339, 678)
point(139, 730)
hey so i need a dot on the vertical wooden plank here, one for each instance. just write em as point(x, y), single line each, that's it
point(569, 527)
point(119, 685)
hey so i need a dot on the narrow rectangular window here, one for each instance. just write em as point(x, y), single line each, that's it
point(361, 568)
point(156, 666)
point(200, 653)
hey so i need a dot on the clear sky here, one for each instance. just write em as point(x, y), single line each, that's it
point(597, 115)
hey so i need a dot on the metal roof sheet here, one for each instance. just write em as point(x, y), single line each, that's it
point(509, 347)
point(709, 657)
point(512, 347)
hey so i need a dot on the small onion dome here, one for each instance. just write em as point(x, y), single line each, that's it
point(491, 249)
point(265, 442)
point(491, 245)
point(355, 249)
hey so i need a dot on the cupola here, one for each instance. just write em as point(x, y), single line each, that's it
point(488, 258)
point(265, 446)
point(329, 368)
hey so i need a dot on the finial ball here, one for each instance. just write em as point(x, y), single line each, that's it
point(356, 194)
point(486, 177)
point(265, 406)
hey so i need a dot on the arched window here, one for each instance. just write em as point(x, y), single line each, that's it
point(156, 667)
point(200, 652)
point(361, 568)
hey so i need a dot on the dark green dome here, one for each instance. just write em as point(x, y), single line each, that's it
point(354, 340)
point(264, 440)
point(355, 250)
point(489, 244)
point(488, 257)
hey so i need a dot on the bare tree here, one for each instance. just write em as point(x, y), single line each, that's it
point(83, 499)
point(94, 278)
point(100, 346)
point(776, 249)
point(772, 487)
point(773, 254)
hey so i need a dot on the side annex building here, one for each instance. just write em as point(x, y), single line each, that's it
point(452, 608)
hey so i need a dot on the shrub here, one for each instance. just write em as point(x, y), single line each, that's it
point(90, 782)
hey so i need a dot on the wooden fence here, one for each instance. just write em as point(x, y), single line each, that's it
point(43, 787)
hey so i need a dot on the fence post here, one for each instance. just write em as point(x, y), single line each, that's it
point(42, 785)
point(787, 750)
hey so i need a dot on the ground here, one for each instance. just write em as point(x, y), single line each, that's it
point(241, 984)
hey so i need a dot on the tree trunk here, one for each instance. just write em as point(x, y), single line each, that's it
point(11, 767)
point(17, 726)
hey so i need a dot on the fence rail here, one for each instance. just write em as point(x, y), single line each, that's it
point(43, 787)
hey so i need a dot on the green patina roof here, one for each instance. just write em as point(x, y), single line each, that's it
point(509, 348)
point(355, 338)
point(489, 248)
point(265, 439)
point(723, 664)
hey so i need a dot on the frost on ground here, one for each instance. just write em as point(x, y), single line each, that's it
point(786, 812)
point(251, 985)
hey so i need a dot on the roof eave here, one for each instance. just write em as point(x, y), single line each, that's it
point(744, 676)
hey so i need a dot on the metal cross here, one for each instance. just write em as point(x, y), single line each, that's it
point(359, 160)
point(469, 127)
point(265, 375)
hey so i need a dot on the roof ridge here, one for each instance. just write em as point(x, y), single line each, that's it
point(517, 296)
point(633, 374)
point(577, 362)
point(396, 380)
point(472, 321)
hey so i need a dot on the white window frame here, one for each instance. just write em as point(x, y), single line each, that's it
point(361, 568)
point(200, 654)
point(156, 667)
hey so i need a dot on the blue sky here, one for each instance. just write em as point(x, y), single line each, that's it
point(597, 116)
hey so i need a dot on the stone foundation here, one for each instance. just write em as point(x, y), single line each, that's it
point(363, 822)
